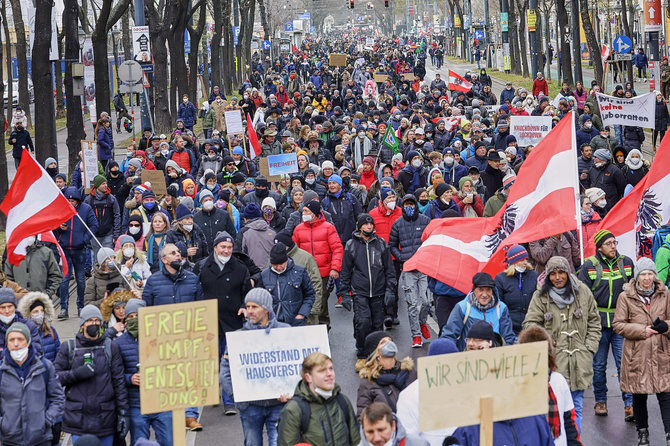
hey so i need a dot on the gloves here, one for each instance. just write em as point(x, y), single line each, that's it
point(122, 424)
point(389, 298)
point(347, 302)
point(660, 326)
point(84, 372)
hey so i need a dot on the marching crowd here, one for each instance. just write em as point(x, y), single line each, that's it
point(378, 159)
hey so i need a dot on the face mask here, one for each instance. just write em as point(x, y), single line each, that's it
point(445, 200)
point(132, 326)
point(134, 230)
point(588, 126)
point(248, 190)
point(325, 394)
point(128, 252)
point(212, 157)
point(149, 205)
point(186, 101)
point(309, 180)
point(165, 152)
point(367, 233)
point(7, 319)
point(223, 259)
point(423, 202)
point(429, 135)
point(361, 135)
point(220, 204)
point(598, 165)
point(19, 355)
point(113, 173)
point(449, 160)
point(268, 212)
point(30, 240)
point(389, 350)
point(262, 193)
point(520, 269)
point(410, 210)
point(93, 330)
point(176, 264)
point(208, 205)
point(110, 264)
point(602, 203)
point(416, 164)
point(187, 228)
point(238, 162)
point(129, 154)
point(391, 205)
point(306, 218)
point(38, 318)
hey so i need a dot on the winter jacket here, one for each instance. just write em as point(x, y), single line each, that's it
point(34, 331)
point(49, 339)
point(437, 208)
point(384, 386)
point(575, 330)
point(599, 142)
point(606, 280)
point(661, 117)
point(320, 240)
point(328, 424)
point(92, 405)
point(540, 86)
point(524, 431)
point(19, 141)
point(292, 293)
point(107, 212)
point(633, 137)
point(585, 136)
point(96, 285)
point(163, 288)
point(405, 237)
point(367, 268)
point(516, 291)
point(494, 204)
point(76, 236)
point(644, 363)
point(187, 161)
point(566, 246)
point(344, 209)
point(384, 221)
point(39, 271)
point(32, 400)
point(228, 286)
point(407, 177)
point(187, 113)
point(209, 119)
point(194, 238)
point(458, 325)
point(212, 222)
point(476, 161)
point(452, 175)
point(253, 197)
point(507, 94)
point(307, 261)
point(492, 179)
point(256, 239)
point(129, 349)
point(295, 218)
point(610, 179)
point(105, 144)
point(477, 205)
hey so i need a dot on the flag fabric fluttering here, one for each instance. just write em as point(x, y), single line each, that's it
point(538, 206)
point(390, 140)
point(450, 122)
point(33, 205)
point(253, 140)
point(45, 237)
point(604, 53)
point(458, 82)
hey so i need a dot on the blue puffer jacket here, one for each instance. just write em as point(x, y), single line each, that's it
point(516, 291)
point(405, 238)
point(497, 316)
point(437, 208)
point(531, 430)
point(130, 353)
point(50, 344)
point(76, 236)
point(292, 293)
point(105, 144)
point(163, 289)
point(187, 113)
point(34, 331)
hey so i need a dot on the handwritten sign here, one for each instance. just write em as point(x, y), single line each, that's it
point(267, 365)
point(638, 111)
point(157, 180)
point(337, 60)
point(451, 386)
point(529, 130)
point(233, 122)
point(285, 163)
point(179, 356)
point(89, 156)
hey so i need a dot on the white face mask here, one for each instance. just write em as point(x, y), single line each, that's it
point(520, 269)
point(391, 205)
point(208, 205)
point(416, 164)
point(223, 259)
point(19, 355)
point(445, 200)
point(187, 228)
point(309, 180)
point(134, 230)
point(598, 165)
point(602, 203)
point(38, 318)
point(165, 152)
point(7, 319)
point(449, 160)
point(211, 186)
point(306, 218)
point(588, 125)
point(128, 252)
point(323, 393)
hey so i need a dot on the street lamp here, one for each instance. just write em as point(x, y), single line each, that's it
point(81, 34)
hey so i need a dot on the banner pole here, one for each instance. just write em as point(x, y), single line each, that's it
point(486, 421)
point(578, 214)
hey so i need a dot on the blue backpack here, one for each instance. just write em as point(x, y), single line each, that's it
point(659, 239)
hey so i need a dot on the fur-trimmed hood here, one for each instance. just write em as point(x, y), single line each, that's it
point(107, 305)
point(371, 369)
point(26, 301)
point(140, 255)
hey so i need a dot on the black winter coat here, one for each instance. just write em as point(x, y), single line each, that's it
point(662, 117)
point(344, 211)
point(212, 222)
point(516, 292)
point(196, 238)
point(367, 268)
point(405, 237)
point(610, 179)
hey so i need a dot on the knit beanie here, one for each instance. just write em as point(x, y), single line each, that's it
point(645, 264)
point(204, 194)
point(557, 263)
point(603, 154)
point(7, 296)
point(105, 253)
point(98, 180)
point(385, 192)
point(594, 194)
point(441, 188)
point(516, 254)
point(285, 237)
point(89, 312)
point(260, 296)
point(19, 327)
point(251, 211)
point(314, 206)
point(278, 254)
point(183, 212)
point(601, 237)
point(222, 236)
point(335, 178)
point(125, 238)
point(441, 346)
point(134, 305)
point(462, 181)
point(309, 195)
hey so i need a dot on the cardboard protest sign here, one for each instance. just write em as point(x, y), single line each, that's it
point(639, 111)
point(89, 158)
point(452, 386)
point(337, 60)
point(267, 365)
point(529, 130)
point(265, 170)
point(233, 122)
point(179, 356)
point(381, 77)
point(283, 164)
point(157, 180)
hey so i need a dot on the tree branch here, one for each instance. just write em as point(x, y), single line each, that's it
point(116, 13)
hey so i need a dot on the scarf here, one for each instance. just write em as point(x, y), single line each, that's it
point(483, 308)
point(553, 415)
point(587, 217)
point(414, 183)
point(645, 295)
point(634, 163)
point(562, 297)
point(150, 246)
point(358, 154)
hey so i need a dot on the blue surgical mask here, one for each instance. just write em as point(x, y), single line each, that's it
point(149, 205)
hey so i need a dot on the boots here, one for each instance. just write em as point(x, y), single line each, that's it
point(667, 439)
point(643, 437)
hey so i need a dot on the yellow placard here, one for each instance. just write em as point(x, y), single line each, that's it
point(457, 21)
point(337, 60)
point(451, 386)
point(179, 356)
point(531, 19)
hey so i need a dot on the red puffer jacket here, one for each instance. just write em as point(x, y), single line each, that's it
point(320, 239)
point(384, 222)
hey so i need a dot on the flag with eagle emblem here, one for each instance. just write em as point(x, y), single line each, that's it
point(458, 82)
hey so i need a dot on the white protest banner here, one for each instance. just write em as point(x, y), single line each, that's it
point(454, 387)
point(233, 122)
point(638, 111)
point(529, 130)
point(267, 365)
point(89, 156)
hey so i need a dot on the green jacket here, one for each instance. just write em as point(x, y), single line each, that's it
point(39, 271)
point(576, 334)
point(304, 259)
point(209, 119)
point(663, 260)
point(494, 204)
point(665, 73)
point(326, 420)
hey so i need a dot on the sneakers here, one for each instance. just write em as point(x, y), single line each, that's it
point(425, 332)
point(601, 409)
point(416, 342)
point(628, 414)
point(643, 437)
point(229, 409)
point(396, 321)
point(63, 315)
point(388, 322)
point(193, 425)
point(338, 304)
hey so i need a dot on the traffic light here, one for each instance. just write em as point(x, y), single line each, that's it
point(386, 3)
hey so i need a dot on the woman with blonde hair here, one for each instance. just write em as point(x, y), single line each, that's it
point(155, 240)
point(516, 284)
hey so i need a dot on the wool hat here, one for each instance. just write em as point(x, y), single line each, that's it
point(173, 190)
point(250, 180)
point(585, 118)
point(441, 346)
point(594, 194)
point(50, 161)
point(335, 178)
point(90, 311)
point(645, 264)
point(204, 194)
point(603, 154)
point(409, 197)
point(188, 202)
point(462, 181)
point(105, 253)
point(390, 180)
point(411, 154)
point(314, 207)
point(260, 296)
point(148, 193)
point(278, 254)
point(268, 202)
point(372, 341)
point(19, 327)
point(557, 263)
point(227, 159)
point(601, 237)
point(135, 163)
point(125, 238)
point(98, 180)
point(251, 211)
point(385, 192)
point(7, 296)
point(285, 237)
point(508, 180)
point(369, 160)
point(327, 165)
point(133, 306)
point(511, 150)
point(516, 254)
point(238, 151)
point(222, 236)
point(481, 330)
point(363, 219)
point(261, 181)
point(183, 212)
point(482, 280)
point(441, 189)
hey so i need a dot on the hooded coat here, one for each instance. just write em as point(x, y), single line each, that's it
point(256, 239)
point(383, 386)
point(96, 285)
point(39, 271)
point(320, 239)
point(49, 338)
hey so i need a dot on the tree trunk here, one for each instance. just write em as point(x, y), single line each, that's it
point(4, 180)
point(228, 74)
point(205, 68)
point(100, 61)
point(75, 120)
point(45, 146)
point(178, 72)
point(215, 44)
point(195, 34)
point(547, 33)
point(591, 41)
point(514, 40)
point(627, 32)
point(158, 31)
point(21, 59)
point(267, 27)
point(8, 62)
point(538, 42)
point(126, 36)
point(522, 38)
point(562, 15)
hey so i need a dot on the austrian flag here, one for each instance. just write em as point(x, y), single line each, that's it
point(457, 82)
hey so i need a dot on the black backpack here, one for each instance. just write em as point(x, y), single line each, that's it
point(306, 412)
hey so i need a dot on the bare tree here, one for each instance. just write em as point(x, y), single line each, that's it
point(522, 6)
point(10, 84)
point(4, 180)
point(45, 146)
point(591, 41)
point(562, 15)
point(21, 59)
point(217, 13)
point(75, 120)
point(195, 33)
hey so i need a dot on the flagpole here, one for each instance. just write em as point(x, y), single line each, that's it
point(578, 214)
point(100, 244)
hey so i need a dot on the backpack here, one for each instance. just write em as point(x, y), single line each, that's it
point(599, 270)
point(467, 314)
point(306, 411)
point(106, 346)
point(665, 245)
point(45, 377)
point(659, 239)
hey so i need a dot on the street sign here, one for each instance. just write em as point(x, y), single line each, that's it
point(305, 16)
point(236, 34)
point(359, 19)
point(130, 72)
point(504, 21)
point(148, 68)
point(312, 29)
point(626, 56)
point(479, 35)
point(141, 44)
point(187, 42)
point(288, 27)
point(266, 44)
point(622, 44)
point(653, 15)
point(145, 80)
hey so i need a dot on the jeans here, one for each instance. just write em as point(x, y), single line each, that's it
point(578, 401)
point(76, 261)
point(642, 72)
point(161, 422)
point(222, 349)
point(192, 412)
point(104, 441)
point(368, 317)
point(641, 414)
point(253, 419)
point(608, 337)
point(414, 285)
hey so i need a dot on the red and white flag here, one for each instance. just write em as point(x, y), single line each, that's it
point(253, 139)
point(450, 122)
point(458, 82)
point(49, 237)
point(541, 202)
point(637, 216)
point(605, 53)
point(33, 205)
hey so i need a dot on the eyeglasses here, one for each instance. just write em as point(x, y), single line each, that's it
point(611, 243)
point(230, 164)
point(133, 226)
